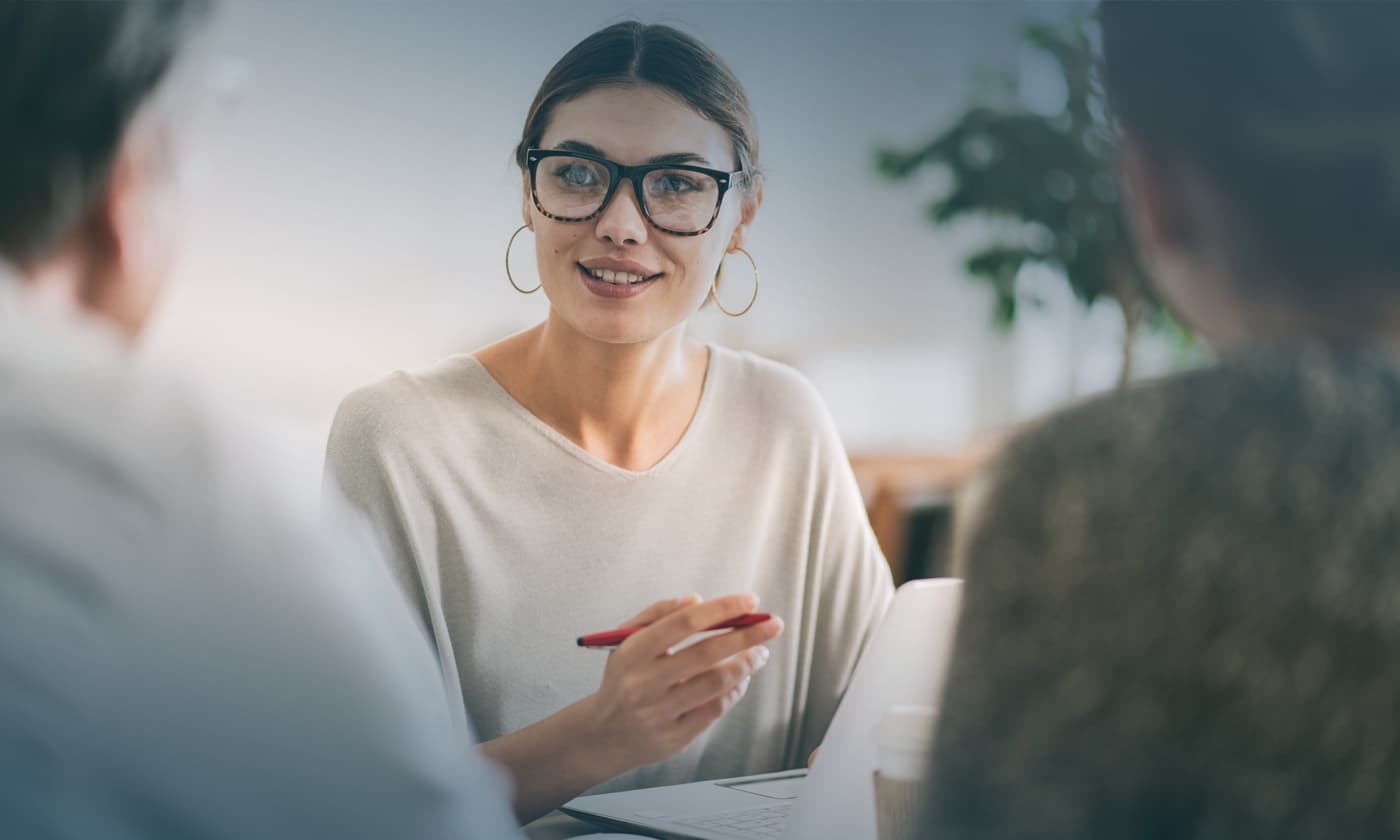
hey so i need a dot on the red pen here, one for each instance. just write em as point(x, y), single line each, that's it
point(608, 638)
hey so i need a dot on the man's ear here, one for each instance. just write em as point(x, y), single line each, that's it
point(128, 240)
point(748, 210)
point(102, 240)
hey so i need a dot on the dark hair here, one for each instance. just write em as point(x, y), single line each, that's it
point(72, 77)
point(632, 53)
point(1288, 108)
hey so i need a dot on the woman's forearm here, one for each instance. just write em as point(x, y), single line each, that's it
point(554, 760)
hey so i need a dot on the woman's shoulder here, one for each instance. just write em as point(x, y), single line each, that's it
point(1275, 397)
point(1312, 422)
point(777, 400)
point(772, 385)
point(409, 399)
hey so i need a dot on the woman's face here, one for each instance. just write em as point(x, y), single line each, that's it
point(632, 126)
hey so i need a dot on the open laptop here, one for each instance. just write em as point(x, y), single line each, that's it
point(905, 662)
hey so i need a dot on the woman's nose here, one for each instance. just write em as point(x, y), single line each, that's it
point(622, 221)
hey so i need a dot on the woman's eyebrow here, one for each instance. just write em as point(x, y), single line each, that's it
point(671, 157)
point(681, 157)
point(579, 146)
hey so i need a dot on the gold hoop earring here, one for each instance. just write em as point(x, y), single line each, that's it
point(508, 275)
point(714, 292)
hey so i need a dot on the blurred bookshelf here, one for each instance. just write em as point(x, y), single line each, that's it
point(911, 499)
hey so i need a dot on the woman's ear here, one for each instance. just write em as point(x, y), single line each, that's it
point(748, 210)
point(1156, 203)
point(526, 203)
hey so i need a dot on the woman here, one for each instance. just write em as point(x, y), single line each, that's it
point(1180, 612)
point(547, 484)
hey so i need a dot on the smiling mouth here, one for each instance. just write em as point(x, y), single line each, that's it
point(617, 278)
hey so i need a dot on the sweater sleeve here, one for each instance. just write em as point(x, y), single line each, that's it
point(362, 469)
point(368, 467)
point(851, 586)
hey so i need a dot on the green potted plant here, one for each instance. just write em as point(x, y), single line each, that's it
point(1052, 176)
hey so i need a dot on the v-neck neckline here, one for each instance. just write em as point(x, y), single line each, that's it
point(692, 429)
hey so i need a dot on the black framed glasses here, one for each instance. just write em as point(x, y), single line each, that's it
point(675, 198)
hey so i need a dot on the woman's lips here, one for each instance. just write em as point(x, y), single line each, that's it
point(602, 288)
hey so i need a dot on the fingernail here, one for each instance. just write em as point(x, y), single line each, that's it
point(744, 685)
point(763, 654)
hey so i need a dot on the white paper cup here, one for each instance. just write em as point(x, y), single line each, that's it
point(902, 741)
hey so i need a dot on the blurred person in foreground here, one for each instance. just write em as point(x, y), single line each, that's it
point(183, 652)
point(1182, 614)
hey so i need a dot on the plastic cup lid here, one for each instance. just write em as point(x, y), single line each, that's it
point(906, 727)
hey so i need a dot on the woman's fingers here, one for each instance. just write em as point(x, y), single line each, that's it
point(679, 625)
point(659, 610)
point(656, 702)
point(691, 661)
point(717, 681)
point(702, 717)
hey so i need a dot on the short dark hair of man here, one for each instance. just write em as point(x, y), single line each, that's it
point(73, 75)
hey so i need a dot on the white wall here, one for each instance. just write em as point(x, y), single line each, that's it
point(362, 192)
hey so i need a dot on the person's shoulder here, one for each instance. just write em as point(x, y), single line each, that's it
point(409, 399)
point(112, 440)
point(69, 384)
point(1311, 421)
point(1278, 397)
point(1108, 437)
point(85, 407)
point(777, 390)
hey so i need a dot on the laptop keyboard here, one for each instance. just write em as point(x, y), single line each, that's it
point(766, 822)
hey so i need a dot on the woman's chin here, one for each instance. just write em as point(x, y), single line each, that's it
point(617, 328)
point(619, 322)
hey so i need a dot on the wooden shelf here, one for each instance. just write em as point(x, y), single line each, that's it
point(898, 486)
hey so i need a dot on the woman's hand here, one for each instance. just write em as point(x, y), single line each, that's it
point(652, 703)
point(654, 699)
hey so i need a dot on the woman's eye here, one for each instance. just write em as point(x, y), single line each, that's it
point(575, 176)
point(672, 182)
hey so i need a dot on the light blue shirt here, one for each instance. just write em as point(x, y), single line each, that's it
point(185, 651)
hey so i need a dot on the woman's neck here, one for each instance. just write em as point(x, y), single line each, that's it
point(1376, 329)
point(628, 404)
